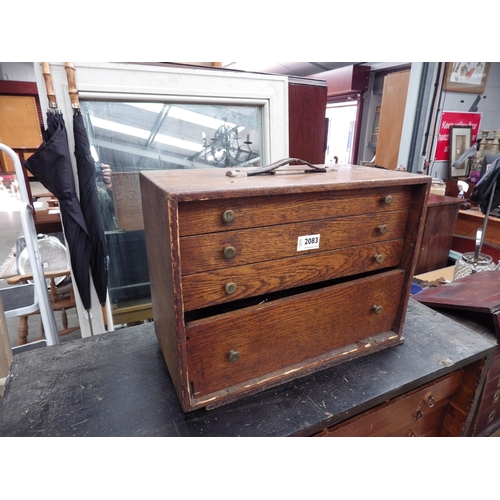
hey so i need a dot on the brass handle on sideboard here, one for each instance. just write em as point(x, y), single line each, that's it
point(379, 258)
point(383, 228)
point(229, 252)
point(228, 216)
point(378, 309)
point(230, 288)
point(234, 356)
point(387, 199)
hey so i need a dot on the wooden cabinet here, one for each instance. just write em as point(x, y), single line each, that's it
point(258, 280)
point(392, 111)
point(423, 412)
point(487, 418)
point(441, 217)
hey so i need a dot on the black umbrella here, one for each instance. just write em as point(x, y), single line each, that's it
point(51, 166)
point(89, 202)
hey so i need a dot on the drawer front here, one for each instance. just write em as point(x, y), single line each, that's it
point(229, 349)
point(236, 248)
point(211, 288)
point(200, 217)
point(487, 417)
point(419, 413)
point(489, 399)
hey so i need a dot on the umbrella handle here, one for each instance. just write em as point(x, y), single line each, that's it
point(72, 90)
point(51, 95)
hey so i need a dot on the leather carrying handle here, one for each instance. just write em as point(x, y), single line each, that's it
point(271, 169)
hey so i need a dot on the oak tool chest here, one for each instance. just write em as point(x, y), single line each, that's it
point(260, 279)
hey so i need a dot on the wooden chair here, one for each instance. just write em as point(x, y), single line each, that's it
point(61, 299)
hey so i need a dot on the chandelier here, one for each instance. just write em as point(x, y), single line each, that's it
point(224, 148)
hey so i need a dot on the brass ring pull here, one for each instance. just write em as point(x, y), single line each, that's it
point(491, 416)
point(229, 252)
point(228, 216)
point(411, 434)
point(419, 414)
point(234, 356)
point(230, 288)
point(382, 228)
point(496, 396)
point(379, 258)
point(388, 199)
point(430, 402)
point(378, 309)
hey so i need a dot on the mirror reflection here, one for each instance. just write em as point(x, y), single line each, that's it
point(127, 137)
point(135, 136)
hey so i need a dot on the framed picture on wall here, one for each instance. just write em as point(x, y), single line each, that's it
point(460, 140)
point(466, 76)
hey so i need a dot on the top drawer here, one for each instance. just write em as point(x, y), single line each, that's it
point(201, 217)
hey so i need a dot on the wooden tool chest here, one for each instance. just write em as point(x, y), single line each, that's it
point(259, 280)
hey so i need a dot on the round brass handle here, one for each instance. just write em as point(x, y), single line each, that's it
point(491, 416)
point(430, 402)
point(379, 258)
point(230, 288)
point(229, 252)
point(228, 216)
point(383, 228)
point(388, 199)
point(496, 396)
point(378, 309)
point(419, 414)
point(234, 356)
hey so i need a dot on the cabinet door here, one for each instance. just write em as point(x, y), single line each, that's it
point(392, 112)
point(19, 126)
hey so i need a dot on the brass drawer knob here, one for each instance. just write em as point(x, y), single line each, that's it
point(234, 356)
point(379, 258)
point(496, 396)
point(387, 199)
point(430, 402)
point(229, 252)
point(228, 216)
point(491, 416)
point(378, 309)
point(419, 415)
point(230, 288)
point(383, 228)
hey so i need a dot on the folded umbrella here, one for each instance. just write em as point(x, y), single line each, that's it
point(51, 166)
point(89, 202)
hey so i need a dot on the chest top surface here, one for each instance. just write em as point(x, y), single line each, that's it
point(213, 183)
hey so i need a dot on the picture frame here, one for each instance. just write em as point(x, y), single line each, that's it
point(466, 76)
point(460, 138)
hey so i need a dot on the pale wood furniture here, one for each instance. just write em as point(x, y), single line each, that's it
point(239, 306)
point(392, 111)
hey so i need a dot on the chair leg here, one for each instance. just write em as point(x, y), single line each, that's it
point(22, 331)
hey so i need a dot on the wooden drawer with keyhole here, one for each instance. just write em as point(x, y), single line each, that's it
point(416, 414)
point(261, 279)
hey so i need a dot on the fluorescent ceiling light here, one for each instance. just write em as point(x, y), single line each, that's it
point(144, 134)
point(183, 114)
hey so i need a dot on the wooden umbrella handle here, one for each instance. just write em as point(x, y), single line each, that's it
point(72, 90)
point(51, 95)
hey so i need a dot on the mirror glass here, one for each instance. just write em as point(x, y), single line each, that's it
point(129, 137)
